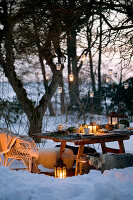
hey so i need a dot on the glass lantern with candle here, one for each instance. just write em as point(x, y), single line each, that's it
point(113, 118)
point(60, 127)
point(83, 57)
point(58, 66)
point(92, 127)
point(110, 71)
point(60, 169)
point(107, 79)
point(47, 76)
point(71, 77)
point(126, 85)
point(60, 89)
point(91, 94)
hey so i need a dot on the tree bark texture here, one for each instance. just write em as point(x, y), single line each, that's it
point(89, 35)
point(72, 66)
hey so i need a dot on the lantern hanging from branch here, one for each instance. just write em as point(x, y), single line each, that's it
point(110, 71)
point(71, 77)
point(60, 169)
point(60, 89)
point(37, 74)
point(58, 66)
point(113, 118)
point(126, 85)
point(91, 94)
point(60, 127)
point(92, 127)
point(47, 76)
point(107, 79)
point(83, 57)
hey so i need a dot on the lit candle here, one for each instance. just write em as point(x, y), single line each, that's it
point(71, 77)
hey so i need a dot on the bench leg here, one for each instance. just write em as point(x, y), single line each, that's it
point(80, 153)
point(103, 146)
point(121, 146)
point(62, 148)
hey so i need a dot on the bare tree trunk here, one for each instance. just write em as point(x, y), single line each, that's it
point(51, 109)
point(99, 68)
point(45, 82)
point(72, 67)
point(89, 35)
point(62, 94)
point(34, 114)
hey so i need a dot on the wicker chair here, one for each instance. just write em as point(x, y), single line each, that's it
point(23, 149)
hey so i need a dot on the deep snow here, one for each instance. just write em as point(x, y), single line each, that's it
point(111, 185)
point(115, 184)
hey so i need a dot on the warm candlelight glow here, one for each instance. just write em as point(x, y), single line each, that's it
point(91, 94)
point(107, 79)
point(37, 74)
point(83, 57)
point(113, 118)
point(110, 71)
point(60, 127)
point(71, 77)
point(60, 89)
point(58, 66)
point(92, 127)
point(47, 76)
point(60, 169)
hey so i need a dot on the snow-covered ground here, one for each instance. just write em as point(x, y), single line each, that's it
point(115, 184)
point(111, 185)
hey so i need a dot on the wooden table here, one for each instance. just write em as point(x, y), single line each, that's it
point(82, 140)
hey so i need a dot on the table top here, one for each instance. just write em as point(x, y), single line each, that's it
point(88, 138)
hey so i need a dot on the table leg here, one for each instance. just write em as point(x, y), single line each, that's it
point(111, 150)
point(80, 153)
point(62, 148)
point(103, 146)
point(121, 146)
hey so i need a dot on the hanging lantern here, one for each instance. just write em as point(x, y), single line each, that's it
point(60, 89)
point(110, 71)
point(37, 74)
point(62, 59)
point(92, 127)
point(83, 57)
point(60, 169)
point(113, 118)
point(58, 66)
point(115, 74)
point(71, 77)
point(126, 85)
point(60, 127)
point(92, 94)
point(107, 79)
point(47, 76)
